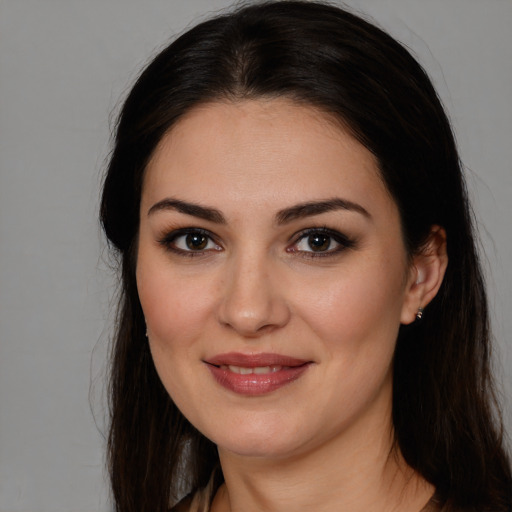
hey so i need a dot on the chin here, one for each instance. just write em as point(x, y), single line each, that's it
point(260, 443)
point(258, 448)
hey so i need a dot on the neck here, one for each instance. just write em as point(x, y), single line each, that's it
point(359, 471)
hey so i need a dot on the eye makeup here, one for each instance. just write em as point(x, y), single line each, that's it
point(320, 242)
point(190, 242)
point(313, 242)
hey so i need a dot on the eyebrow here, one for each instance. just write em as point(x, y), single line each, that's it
point(298, 211)
point(309, 209)
point(196, 210)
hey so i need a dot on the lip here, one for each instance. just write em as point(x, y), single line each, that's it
point(278, 371)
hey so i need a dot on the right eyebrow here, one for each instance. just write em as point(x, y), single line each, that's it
point(193, 209)
point(312, 208)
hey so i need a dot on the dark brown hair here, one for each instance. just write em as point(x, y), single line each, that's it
point(444, 409)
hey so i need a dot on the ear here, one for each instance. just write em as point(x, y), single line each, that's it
point(425, 274)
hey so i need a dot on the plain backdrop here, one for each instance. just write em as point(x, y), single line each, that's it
point(64, 66)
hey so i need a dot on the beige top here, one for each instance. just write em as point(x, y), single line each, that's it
point(200, 502)
point(202, 499)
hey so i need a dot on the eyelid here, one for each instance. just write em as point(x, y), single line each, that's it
point(170, 237)
point(344, 242)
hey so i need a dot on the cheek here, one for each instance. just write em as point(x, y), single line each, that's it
point(176, 306)
point(355, 308)
point(357, 317)
point(177, 310)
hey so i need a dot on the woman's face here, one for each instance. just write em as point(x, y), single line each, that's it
point(273, 277)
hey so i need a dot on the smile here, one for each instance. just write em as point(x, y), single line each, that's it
point(258, 370)
point(255, 374)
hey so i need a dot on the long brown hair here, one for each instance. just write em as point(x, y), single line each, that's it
point(444, 409)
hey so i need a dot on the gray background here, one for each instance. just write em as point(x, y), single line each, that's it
point(64, 64)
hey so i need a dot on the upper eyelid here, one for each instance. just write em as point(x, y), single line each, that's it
point(170, 235)
point(344, 241)
point(175, 232)
point(167, 242)
point(334, 233)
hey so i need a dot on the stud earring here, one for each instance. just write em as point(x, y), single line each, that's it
point(419, 314)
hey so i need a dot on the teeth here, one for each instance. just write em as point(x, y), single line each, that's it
point(258, 370)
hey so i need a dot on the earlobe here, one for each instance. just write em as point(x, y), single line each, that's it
point(426, 275)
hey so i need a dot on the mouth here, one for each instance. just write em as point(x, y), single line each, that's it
point(255, 374)
point(257, 370)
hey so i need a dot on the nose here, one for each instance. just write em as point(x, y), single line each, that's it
point(254, 298)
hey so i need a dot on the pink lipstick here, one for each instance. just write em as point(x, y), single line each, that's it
point(255, 374)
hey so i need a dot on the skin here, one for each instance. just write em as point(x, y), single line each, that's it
point(325, 441)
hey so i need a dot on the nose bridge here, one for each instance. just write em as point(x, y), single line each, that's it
point(253, 302)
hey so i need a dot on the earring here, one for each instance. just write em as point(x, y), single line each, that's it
point(419, 314)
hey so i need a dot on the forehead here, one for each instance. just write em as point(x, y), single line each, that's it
point(261, 150)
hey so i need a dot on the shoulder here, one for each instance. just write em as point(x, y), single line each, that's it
point(183, 506)
point(197, 501)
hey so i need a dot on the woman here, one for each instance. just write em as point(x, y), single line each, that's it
point(303, 321)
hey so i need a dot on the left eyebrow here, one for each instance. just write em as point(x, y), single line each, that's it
point(193, 209)
point(312, 208)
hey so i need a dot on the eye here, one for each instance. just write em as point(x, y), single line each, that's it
point(318, 242)
point(190, 241)
point(321, 242)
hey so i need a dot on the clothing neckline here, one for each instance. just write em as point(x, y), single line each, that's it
point(201, 500)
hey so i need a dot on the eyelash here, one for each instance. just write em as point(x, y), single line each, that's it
point(342, 240)
point(169, 242)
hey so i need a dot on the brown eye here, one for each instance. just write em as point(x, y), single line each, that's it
point(196, 241)
point(319, 242)
point(190, 242)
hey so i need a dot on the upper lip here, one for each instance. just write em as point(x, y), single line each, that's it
point(254, 360)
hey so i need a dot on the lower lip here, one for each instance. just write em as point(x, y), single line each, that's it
point(256, 384)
